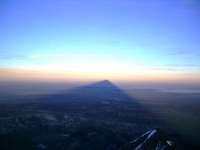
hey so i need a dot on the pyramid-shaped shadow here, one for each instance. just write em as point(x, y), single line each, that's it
point(100, 96)
point(104, 91)
point(102, 110)
point(101, 91)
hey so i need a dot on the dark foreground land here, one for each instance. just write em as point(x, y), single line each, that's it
point(99, 116)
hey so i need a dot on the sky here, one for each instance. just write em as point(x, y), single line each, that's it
point(146, 40)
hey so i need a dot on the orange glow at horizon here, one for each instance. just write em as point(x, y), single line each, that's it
point(137, 75)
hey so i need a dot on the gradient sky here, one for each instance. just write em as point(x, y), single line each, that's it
point(119, 39)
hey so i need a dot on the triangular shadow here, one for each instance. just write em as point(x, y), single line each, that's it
point(103, 91)
point(104, 108)
point(99, 95)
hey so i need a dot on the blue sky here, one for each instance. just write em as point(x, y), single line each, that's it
point(87, 36)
